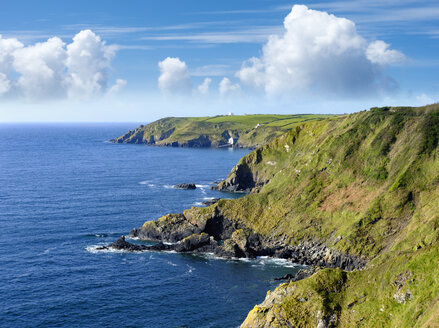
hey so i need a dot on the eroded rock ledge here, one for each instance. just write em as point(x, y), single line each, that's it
point(214, 233)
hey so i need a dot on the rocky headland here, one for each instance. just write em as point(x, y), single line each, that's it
point(241, 131)
point(353, 197)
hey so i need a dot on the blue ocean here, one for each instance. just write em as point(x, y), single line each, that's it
point(64, 191)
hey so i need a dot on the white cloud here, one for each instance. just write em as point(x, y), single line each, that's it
point(174, 76)
point(87, 63)
point(203, 88)
point(226, 87)
point(41, 68)
point(51, 69)
point(378, 52)
point(318, 52)
point(116, 87)
point(7, 47)
point(5, 84)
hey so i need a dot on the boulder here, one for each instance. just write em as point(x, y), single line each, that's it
point(186, 186)
point(122, 244)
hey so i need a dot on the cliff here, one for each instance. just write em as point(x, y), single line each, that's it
point(356, 195)
point(246, 131)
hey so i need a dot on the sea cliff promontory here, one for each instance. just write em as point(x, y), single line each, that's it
point(242, 131)
point(355, 195)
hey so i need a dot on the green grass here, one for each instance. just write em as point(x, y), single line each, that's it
point(183, 130)
point(371, 178)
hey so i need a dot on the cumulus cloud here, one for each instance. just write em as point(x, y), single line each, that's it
point(203, 88)
point(5, 84)
point(41, 68)
point(378, 52)
point(174, 76)
point(116, 87)
point(227, 88)
point(318, 52)
point(52, 69)
point(87, 63)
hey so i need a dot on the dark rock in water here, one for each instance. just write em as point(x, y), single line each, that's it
point(186, 186)
point(215, 233)
point(210, 201)
point(122, 244)
point(160, 247)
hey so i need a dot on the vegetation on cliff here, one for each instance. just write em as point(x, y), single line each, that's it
point(364, 184)
point(247, 131)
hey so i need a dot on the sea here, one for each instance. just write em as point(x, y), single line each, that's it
point(65, 190)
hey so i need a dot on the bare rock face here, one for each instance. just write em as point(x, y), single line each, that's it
point(170, 228)
point(239, 180)
point(212, 232)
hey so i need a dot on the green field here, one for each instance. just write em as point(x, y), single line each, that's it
point(249, 131)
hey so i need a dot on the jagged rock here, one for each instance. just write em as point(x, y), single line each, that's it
point(240, 238)
point(186, 186)
point(122, 244)
point(193, 242)
point(170, 228)
point(201, 231)
point(210, 201)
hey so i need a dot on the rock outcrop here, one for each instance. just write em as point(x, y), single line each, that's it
point(186, 186)
point(215, 233)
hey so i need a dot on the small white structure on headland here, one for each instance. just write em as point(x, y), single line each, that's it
point(257, 126)
point(230, 113)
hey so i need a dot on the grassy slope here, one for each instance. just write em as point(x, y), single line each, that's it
point(373, 179)
point(189, 128)
point(365, 184)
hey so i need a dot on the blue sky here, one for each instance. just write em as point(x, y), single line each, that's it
point(331, 57)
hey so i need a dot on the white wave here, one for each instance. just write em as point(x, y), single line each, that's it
point(208, 198)
point(167, 186)
point(94, 249)
point(147, 183)
point(172, 263)
point(280, 262)
point(47, 251)
point(201, 186)
point(197, 204)
point(255, 262)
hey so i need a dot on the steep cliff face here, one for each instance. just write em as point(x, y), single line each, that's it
point(246, 131)
point(363, 186)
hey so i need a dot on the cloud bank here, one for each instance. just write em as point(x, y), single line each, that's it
point(321, 53)
point(52, 69)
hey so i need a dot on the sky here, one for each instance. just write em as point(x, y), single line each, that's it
point(137, 61)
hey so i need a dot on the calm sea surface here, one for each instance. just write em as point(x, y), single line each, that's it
point(64, 190)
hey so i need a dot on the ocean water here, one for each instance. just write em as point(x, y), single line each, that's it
point(64, 190)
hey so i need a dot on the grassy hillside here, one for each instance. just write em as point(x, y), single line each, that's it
point(249, 131)
point(364, 184)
